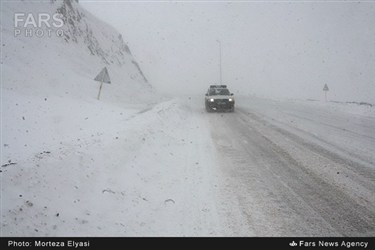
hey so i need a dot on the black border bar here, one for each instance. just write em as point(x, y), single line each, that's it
point(187, 242)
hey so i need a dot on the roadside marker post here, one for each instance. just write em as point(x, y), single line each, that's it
point(325, 89)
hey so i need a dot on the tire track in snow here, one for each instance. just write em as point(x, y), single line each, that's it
point(346, 157)
point(265, 173)
point(361, 168)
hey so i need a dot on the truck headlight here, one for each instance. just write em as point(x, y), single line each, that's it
point(212, 100)
point(230, 99)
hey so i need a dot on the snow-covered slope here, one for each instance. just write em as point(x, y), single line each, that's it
point(66, 65)
point(47, 83)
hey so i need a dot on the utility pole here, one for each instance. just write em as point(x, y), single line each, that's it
point(221, 77)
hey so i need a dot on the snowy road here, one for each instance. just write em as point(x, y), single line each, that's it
point(287, 180)
point(271, 168)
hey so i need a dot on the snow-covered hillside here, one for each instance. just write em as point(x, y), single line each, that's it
point(67, 64)
point(47, 82)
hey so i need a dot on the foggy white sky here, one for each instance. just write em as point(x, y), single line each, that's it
point(277, 49)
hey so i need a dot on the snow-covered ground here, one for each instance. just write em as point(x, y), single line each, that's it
point(136, 164)
point(147, 174)
point(174, 170)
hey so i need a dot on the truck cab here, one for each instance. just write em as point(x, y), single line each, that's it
point(219, 98)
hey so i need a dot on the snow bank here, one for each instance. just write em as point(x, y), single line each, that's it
point(150, 176)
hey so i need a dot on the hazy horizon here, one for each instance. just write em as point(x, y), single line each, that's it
point(275, 49)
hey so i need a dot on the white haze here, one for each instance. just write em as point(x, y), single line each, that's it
point(275, 49)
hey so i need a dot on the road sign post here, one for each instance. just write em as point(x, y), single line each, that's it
point(103, 76)
point(100, 89)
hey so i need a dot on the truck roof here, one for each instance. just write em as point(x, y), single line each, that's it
point(218, 86)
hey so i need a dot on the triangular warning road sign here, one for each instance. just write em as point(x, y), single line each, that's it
point(103, 76)
point(325, 87)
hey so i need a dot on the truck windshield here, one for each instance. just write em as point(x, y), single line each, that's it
point(215, 91)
